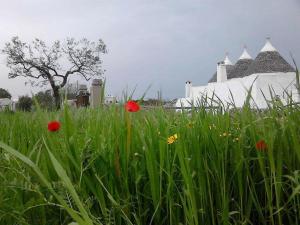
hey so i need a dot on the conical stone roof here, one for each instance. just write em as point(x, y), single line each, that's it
point(269, 61)
point(240, 68)
point(241, 65)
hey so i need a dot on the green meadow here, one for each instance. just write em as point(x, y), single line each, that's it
point(110, 166)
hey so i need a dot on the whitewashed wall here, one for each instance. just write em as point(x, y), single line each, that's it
point(279, 83)
point(239, 88)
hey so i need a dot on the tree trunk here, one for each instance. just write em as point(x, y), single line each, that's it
point(56, 97)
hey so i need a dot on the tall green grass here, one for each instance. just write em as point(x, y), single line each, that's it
point(107, 166)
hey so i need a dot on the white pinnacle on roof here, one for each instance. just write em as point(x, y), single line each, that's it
point(245, 54)
point(227, 60)
point(268, 47)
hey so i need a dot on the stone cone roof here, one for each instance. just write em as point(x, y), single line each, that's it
point(240, 68)
point(269, 62)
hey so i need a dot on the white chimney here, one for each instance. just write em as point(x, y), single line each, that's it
point(188, 89)
point(96, 93)
point(221, 72)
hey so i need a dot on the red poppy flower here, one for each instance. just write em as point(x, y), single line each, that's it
point(261, 145)
point(132, 106)
point(53, 126)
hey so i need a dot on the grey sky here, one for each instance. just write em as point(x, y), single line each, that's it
point(159, 43)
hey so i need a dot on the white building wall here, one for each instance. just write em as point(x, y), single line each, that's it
point(110, 99)
point(278, 84)
point(214, 91)
point(240, 87)
point(184, 102)
point(6, 103)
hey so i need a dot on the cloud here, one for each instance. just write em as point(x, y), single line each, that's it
point(163, 43)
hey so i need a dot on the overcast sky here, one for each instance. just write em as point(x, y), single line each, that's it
point(158, 43)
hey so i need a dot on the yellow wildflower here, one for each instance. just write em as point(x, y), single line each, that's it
point(172, 139)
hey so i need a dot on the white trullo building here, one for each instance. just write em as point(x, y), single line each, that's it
point(268, 75)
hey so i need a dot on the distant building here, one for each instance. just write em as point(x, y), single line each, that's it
point(82, 97)
point(269, 74)
point(6, 103)
point(93, 98)
point(96, 93)
point(109, 99)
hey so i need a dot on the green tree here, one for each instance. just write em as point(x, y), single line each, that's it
point(4, 93)
point(24, 103)
point(53, 65)
point(45, 100)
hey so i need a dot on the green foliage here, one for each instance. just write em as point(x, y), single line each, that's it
point(24, 103)
point(152, 102)
point(4, 93)
point(106, 166)
point(45, 100)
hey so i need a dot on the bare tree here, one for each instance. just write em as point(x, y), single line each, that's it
point(53, 65)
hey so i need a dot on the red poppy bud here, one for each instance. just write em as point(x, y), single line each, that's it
point(132, 106)
point(53, 126)
point(261, 145)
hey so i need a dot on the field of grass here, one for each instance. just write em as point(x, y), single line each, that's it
point(108, 166)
